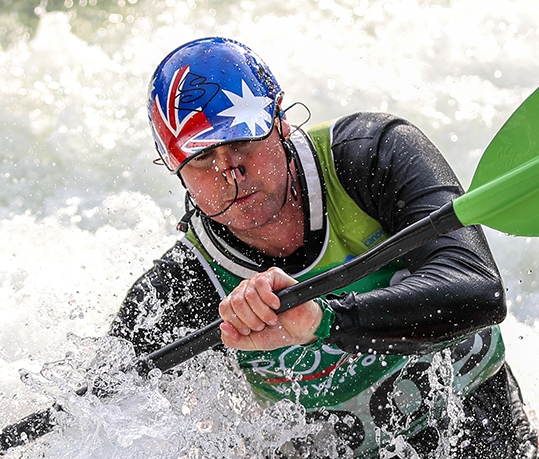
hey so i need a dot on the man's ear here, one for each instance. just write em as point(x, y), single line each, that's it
point(286, 128)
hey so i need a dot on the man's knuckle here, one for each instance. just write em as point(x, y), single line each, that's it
point(250, 294)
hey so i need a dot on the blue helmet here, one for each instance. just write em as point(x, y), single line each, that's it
point(207, 93)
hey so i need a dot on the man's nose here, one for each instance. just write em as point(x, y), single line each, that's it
point(229, 162)
point(234, 174)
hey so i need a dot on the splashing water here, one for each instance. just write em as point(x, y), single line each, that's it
point(83, 212)
point(444, 412)
point(206, 409)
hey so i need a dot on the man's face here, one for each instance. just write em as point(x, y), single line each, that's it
point(262, 189)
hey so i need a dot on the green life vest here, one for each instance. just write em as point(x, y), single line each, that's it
point(379, 390)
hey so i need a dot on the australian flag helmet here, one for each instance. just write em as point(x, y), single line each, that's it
point(207, 93)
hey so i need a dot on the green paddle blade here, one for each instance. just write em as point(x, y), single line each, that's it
point(504, 193)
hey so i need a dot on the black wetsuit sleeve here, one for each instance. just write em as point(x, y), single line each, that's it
point(397, 176)
point(173, 297)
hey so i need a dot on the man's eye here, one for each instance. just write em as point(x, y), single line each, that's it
point(242, 147)
point(203, 159)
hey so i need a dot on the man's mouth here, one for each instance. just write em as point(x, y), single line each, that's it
point(243, 198)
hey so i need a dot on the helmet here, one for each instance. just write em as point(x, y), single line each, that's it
point(207, 93)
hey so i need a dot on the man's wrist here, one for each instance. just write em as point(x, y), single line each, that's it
point(323, 330)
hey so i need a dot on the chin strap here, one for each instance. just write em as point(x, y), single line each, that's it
point(183, 224)
point(289, 150)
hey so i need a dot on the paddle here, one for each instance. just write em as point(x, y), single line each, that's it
point(504, 195)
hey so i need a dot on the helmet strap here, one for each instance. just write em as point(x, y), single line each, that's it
point(293, 183)
point(183, 224)
point(290, 153)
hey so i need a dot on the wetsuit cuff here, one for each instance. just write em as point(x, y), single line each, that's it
point(324, 328)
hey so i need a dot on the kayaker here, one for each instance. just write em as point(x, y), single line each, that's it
point(269, 204)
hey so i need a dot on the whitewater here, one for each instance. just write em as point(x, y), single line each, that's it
point(84, 211)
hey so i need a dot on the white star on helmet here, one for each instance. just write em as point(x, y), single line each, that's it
point(249, 109)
